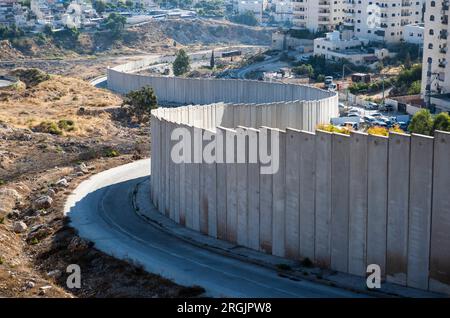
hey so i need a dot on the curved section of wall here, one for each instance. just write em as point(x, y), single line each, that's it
point(311, 106)
point(343, 202)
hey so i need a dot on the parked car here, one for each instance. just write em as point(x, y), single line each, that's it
point(377, 115)
point(372, 106)
point(328, 80)
point(379, 123)
point(369, 119)
point(403, 125)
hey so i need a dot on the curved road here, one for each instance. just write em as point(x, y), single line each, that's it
point(101, 209)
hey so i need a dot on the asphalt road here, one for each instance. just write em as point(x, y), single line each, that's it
point(101, 209)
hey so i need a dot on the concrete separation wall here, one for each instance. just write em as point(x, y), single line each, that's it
point(343, 202)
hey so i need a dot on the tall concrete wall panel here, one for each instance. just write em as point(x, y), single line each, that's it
point(253, 177)
point(340, 163)
point(221, 175)
point(307, 187)
point(398, 207)
point(357, 204)
point(266, 201)
point(292, 217)
point(323, 198)
point(440, 231)
point(377, 180)
point(420, 198)
point(279, 197)
point(242, 187)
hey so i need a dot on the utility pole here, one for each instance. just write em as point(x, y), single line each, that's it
point(382, 103)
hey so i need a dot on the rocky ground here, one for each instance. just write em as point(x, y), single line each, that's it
point(40, 166)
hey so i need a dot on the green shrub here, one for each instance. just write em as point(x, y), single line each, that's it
point(48, 127)
point(66, 124)
point(111, 153)
point(422, 123)
point(442, 122)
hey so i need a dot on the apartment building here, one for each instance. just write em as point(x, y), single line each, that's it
point(283, 10)
point(255, 6)
point(382, 21)
point(319, 15)
point(436, 70)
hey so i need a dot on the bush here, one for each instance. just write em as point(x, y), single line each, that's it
point(305, 69)
point(67, 125)
point(48, 127)
point(442, 122)
point(139, 103)
point(378, 131)
point(115, 23)
point(422, 123)
point(334, 129)
point(247, 18)
point(31, 77)
point(111, 153)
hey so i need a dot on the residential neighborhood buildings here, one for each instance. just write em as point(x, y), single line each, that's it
point(436, 70)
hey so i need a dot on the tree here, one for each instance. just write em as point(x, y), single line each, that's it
point(442, 122)
point(48, 29)
point(422, 123)
point(99, 6)
point(139, 103)
point(115, 23)
point(181, 65)
point(247, 18)
point(408, 62)
point(212, 63)
point(304, 69)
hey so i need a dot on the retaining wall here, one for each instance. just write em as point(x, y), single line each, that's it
point(342, 201)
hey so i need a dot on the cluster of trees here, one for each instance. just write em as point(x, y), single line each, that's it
point(184, 4)
point(424, 123)
point(115, 23)
point(8, 33)
point(247, 18)
point(408, 82)
point(317, 67)
point(210, 8)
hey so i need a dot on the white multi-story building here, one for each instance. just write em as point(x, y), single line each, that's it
point(413, 33)
point(283, 10)
point(319, 15)
point(436, 70)
point(334, 47)
point(383, 21)
point(255, 6)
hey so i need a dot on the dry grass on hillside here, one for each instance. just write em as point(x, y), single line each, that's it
point(59, 98)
